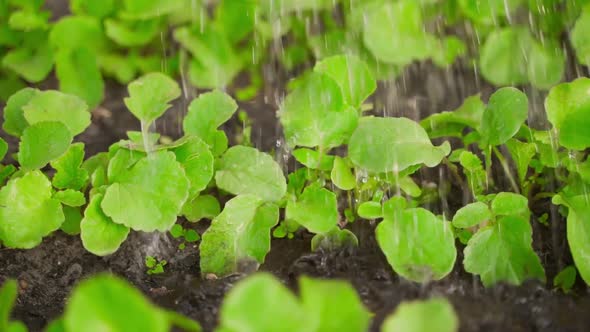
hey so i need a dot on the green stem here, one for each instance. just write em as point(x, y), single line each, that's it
point(183, 322)
point(506, 169)
point(488, 155)
point(145, 132)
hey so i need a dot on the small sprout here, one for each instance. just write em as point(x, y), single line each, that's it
point(154, 265)
point(566, 279)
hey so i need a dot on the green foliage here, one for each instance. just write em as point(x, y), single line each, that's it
point(50, 105)
point(100, 235)
point(578, 226)
point(316, 210)
point(147, 195)
point(154, 265)
point(14, 116)
point(393, 145)
point(506, 112)
point(28, 211)
point(205, 114)
point(150, 95)
point(246, 171)
point(197, 160)
point(262, 303)
point(341, 175)
point(501, 249)
point(241, 232)
point(418, 245)
point(200, 207)
point(446, 124)
point(70, 174)
point(105, 302)
point(42, 143)
point(568, 108)
point(436, 314)
point(8, 294)
point(335, 238)
point(566, 279)
point(579, 37)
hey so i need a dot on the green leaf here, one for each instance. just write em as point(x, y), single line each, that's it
point(261, 303)
point(503, 252)
point(200, 207)
point(144, 9)
point(313, 159)
point(473, 170)
point(42, 143)
point(503, 56)
point(245, 170)
point(316, 210)
point(236, 19)
point(352, 75)
point(10, 84)
point(392, 145)
point(334, 239)
point(506, 204)
point(3, 148)
point(131, 33)
point(14, 116)
point(332, 305)
point(206, 113)
point(506, 112)
point(240, 233)
point(54, 105)
point(149, 195)
point(469, 114)
point(70, 197)
point(75, 32)
point(370, 210)
point(488, 11)
point(150, 95)
point(546, 63)
point(450, 49)
point(418, 245)
point(566, 278)
point(522, 154)
point(107, 303)
point(73, 217)
point(578, 230)
point(436, 314)
point(25, 20)
point(579, 37)
point(28, 212)
point(394, 33)
point(98, 9)
point(100, 235)
point(341, 175)
point(197, 160)
point(214, 63)
point(8, 294)
point(315, 114)
point(32, 64)
point(78, 74)
point(70, 174)
point(471, 215)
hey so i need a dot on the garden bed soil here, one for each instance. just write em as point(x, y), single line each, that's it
point(47, 273)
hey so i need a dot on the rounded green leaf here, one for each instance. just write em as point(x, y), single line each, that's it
point(150, 95)
point(98, 9)
point(100, 235)
point(503, 56)
point(332, 305)
point(107, 303)
point(28, 212)
point(436, 314)
point(78, 73)
point(574, 132)
point(197, 160)
point(334, 239)
point(131, 33)
point(503, 252)
point(14, 116)
point(204, 206)
point(352, 75)
point(341, 175)
point(418, 245)
point(261, 303)
point(42, 143)
point(315, 114)
point(74, 32)
point(32, 64)
point(471, 215)
point(394, 33)
point(507, 204)
point(207, 112)
point(381, 145)
point(546, 64)
point(149, 195)
point(566, 99)
point(580, 38)
point(53, 105)
point(245, 170)
point(239, 234)
point(141, 9)
point(316, 209)
point(71, 224)
point(70, 174)
point(370, 210)
point(70, 197)
point(506, 112)
point(488, 11)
